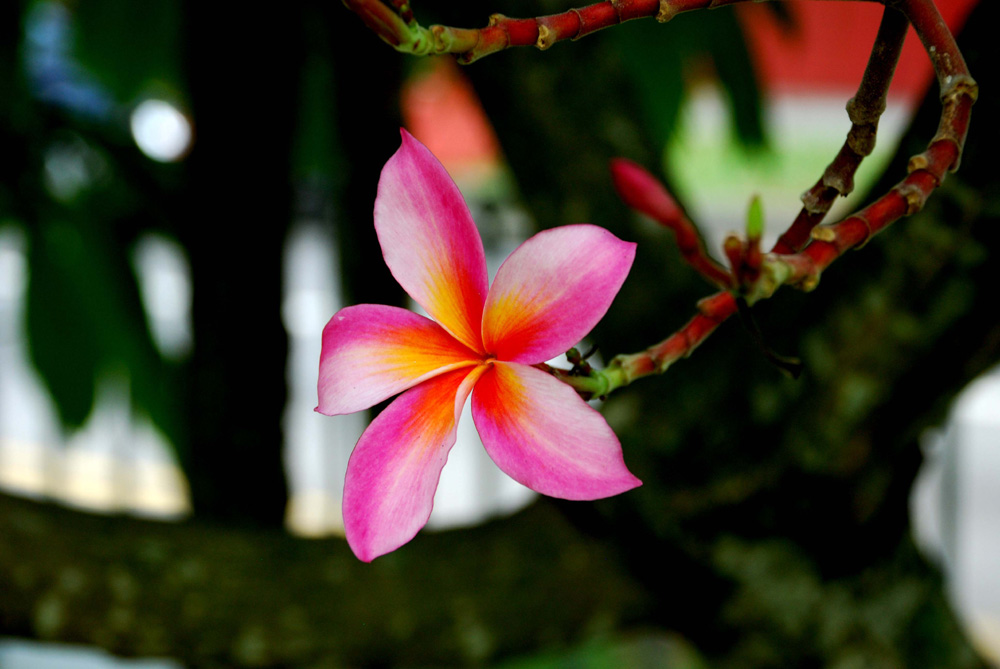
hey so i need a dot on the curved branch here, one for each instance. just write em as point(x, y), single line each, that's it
point(502, 32)
point(820, 246)
point(864, 110)
point(804, 250)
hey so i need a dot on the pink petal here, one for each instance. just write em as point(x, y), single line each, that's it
point(394, 470)
point(372, 352)
point(540, 432)
point(430, 241)
point(552, 291)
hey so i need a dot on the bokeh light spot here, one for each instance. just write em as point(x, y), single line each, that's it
point(161, 130)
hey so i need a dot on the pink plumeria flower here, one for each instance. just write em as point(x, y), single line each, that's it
point(548, 294)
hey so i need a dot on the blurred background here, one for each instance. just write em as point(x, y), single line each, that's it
point(186, 198)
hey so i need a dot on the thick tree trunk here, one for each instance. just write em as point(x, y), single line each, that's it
point(213, 596)
point(366, 94)
point(244, 69)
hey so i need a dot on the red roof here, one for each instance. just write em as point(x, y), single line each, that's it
point(828, 49)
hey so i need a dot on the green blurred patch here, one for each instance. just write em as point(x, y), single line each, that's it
point(647, 650)
point(85, 320)
point(663, 62)
point(130, 46)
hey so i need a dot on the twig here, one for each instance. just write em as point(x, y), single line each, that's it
point(804, 250)
point(641, 191)
point(470, 44)
point(864, 110)
point(787, 265)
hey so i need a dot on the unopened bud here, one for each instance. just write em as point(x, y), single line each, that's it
point(643, 192)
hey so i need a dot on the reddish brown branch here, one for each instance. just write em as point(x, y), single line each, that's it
point(804, 250)
point(958, 89)
point(800, 269)
point(712, 312)
point(823, 245)
point(502, 32)
point(864, 110)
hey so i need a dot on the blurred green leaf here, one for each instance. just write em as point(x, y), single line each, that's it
point(130, 46)
point(316, 151)
point(659, 57)
point(734, 66)
point(64, 348)
point(85, 320)
point(654, 62)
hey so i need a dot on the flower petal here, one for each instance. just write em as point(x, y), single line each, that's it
point(552, 291)
point(540, 432)
point(372, 352)
point(394, 470)
point(430, 241)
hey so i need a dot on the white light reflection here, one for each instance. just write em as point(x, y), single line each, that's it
point(164, 277)
point(160, 130)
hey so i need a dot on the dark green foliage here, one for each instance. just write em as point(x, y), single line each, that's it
point(660, 60)
point(85, 321)
point(84, 318)
point(130, 47)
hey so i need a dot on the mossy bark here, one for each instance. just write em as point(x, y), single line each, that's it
point(218, 596)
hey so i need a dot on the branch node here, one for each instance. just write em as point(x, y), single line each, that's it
point(808, 283)
point(813, 202)
point(841, 182)
point(544, 38)
point(863, 114)
point(868, 230)
point(958, 85)
point(823, 233)
point(917, 162)
point(581, 31)
point(914, 196)
point(861, 138)
point(666, 11)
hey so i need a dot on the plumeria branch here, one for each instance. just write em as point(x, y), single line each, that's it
point(404, 33)
point(470, 44)
point(864, 110)
point(804, 250)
